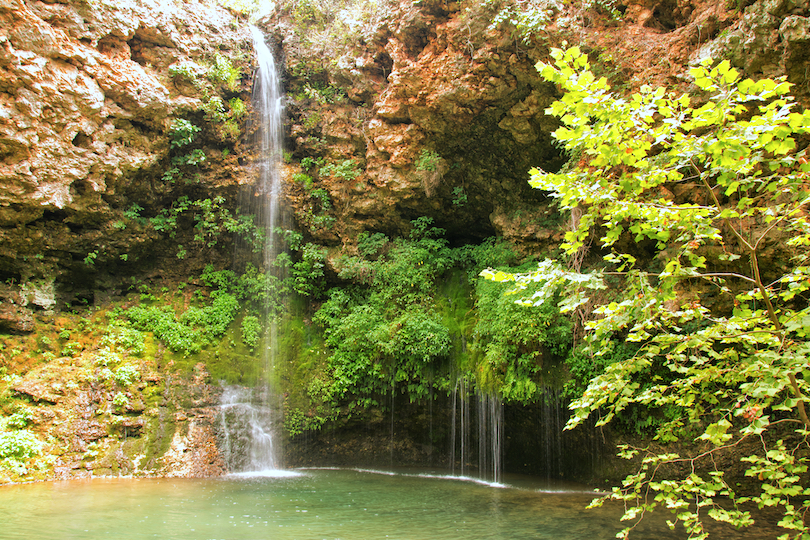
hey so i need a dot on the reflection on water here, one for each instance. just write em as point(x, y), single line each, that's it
point(314, 504)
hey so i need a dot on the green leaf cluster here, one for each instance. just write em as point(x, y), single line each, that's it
point(18, 444)
point(385, 330)
point(224, 72)
point(189, 331)
point(687, 203)
point(522, 355)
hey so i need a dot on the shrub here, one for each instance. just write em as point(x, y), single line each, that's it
point(345, 170)
point(19, 444)
point(126, 375)
point(735, 373)
point(251, 330)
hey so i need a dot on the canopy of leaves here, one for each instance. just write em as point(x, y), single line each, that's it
point(704, 193)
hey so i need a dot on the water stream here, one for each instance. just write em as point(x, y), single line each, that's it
point(247, 426)
point(251, 417)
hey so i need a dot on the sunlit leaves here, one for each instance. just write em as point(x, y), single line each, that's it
point(706, 192)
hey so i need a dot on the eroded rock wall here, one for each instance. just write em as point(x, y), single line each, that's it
point(439, 80)
point(99, 423)
point(443, 117)
point(87, 99)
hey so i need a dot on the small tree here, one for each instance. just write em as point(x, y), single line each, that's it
point(704, 192)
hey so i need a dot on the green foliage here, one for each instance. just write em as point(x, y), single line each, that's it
point(346, 170)
point(258, 290)
point(309, 163)
point(322, 204)
point(322, 196)
point(134, 212)
point(492, 252)
point(166, 220)
point(245, 7)
point(20, 419)
point(322, 221)
point(524, 20)
point(214, 109)
point(182, 133)
point(369, 245)
point(323, 93)
point(190, 331)
point(127, 339)
point(427, 160)
point(308, 273)
point(331, 28)
point(19, 445)
point(184, 70)
point(251, 330)
point(90, 258)
point(527, 19)
point(223, 71)
point(386, 331)
point(522, 351)
point(304, 179)
point(583, 367)
point(312, 120)
point(291, 238)
point(71, 348)
point(120, 400)
point(211, 220)
point(728, 331)
point(459, 196)
point(321, 410)
point(237, 108)
point(126, 374)
point(227, 118)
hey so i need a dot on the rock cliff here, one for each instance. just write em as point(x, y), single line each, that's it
point(441, 111)
point(426, 108)
point(88, 93)
point(119, 119)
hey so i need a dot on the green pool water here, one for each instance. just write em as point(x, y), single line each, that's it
point(313, 504)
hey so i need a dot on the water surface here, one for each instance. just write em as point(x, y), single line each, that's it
point(312, 504)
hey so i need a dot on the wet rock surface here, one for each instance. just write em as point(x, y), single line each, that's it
point(96, 425)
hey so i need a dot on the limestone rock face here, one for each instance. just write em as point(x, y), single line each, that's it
point(443, 113)
point(86, 99)
point(75, 406)
point(447, 120)
point(771, 39)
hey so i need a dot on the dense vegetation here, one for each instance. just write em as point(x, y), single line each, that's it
point(686, 204)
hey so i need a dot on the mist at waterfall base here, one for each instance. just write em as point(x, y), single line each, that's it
point(251, 418)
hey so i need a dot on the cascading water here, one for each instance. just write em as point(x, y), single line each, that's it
point(489, 420)
point(250, 417)
point(247, 431)
point(490, 436)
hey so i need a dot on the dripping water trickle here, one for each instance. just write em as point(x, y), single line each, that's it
point(476, 416)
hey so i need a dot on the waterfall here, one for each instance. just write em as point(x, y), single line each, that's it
point(251, 418)
point(268, 104)
point(247, 431)
point(490, 436)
